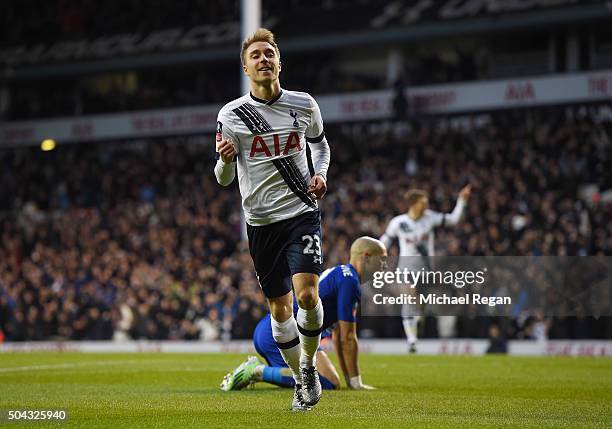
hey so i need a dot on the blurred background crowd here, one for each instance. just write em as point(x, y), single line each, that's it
point(41, 35)
point(137, 240)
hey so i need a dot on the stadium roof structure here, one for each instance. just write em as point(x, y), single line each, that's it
point(370, 24)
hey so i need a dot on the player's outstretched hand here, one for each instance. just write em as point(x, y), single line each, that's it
point(317, 187)
point(464, 193)
point(356, 384)
point(227, 150)
point(366, 387)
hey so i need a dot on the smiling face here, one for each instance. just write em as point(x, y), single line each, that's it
point(261, 63)
point(420, 206)
point(417, 202)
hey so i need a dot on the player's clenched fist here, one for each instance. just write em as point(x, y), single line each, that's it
point(317, 187)
point(227, 150)
point(464, 193)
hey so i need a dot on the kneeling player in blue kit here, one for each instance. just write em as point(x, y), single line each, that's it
point(340, 292)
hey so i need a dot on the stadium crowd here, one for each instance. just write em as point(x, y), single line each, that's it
point(41, 20)
point(44, 23)
point(137, 240)
point(48, 21)
point(169, 87)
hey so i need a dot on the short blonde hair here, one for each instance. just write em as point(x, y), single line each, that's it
point(260, 35)
point(414, 195)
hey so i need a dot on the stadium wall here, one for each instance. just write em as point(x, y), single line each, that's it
point(372, 105)
point(592, 348)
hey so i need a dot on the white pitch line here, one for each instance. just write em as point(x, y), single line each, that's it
point(68, 365)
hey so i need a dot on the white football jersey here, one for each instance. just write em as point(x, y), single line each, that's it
point(270, 138)
point(416, 237)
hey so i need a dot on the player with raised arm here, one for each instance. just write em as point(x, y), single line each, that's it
point(414, 231)
point(340, 292)
point(263, 135)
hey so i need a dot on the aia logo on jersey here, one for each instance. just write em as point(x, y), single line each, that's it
point(275, 147)
point(294, 116)
point(219, 135)
point(421, 239)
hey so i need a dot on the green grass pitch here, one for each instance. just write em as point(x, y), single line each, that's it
point(181, 390)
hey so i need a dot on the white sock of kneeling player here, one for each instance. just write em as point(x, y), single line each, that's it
point(309, 324)
point(288, 342)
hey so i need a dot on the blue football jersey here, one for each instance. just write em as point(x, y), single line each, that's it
point(340, 292)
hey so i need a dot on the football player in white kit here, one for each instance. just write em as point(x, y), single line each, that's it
point(264, 136)
point(414, 231)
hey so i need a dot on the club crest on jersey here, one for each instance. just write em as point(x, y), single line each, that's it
point(405, 227)
point(219, 135)
point(260, 146)
point(293, 114)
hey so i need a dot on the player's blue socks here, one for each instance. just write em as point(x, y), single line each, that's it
point(325, 383)
point(273, 375)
